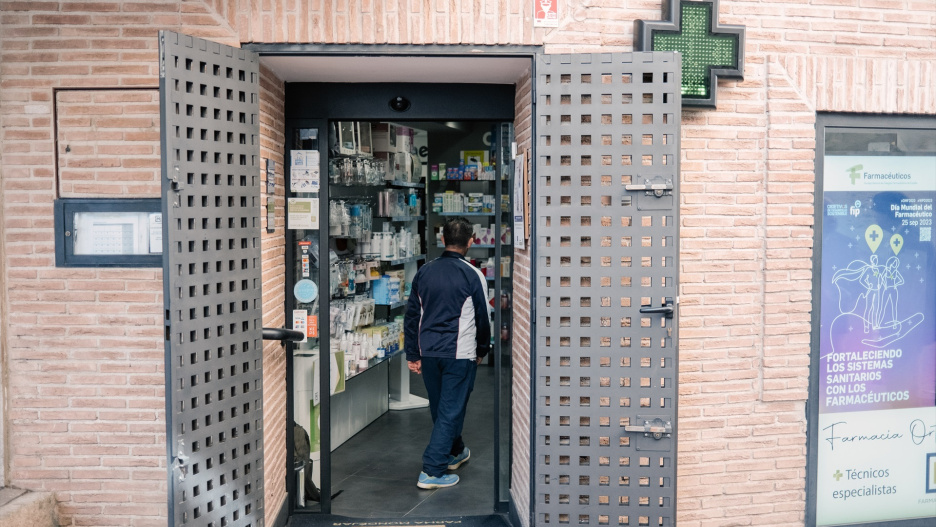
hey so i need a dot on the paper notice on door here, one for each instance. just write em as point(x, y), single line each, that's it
point(300, 319)
point(155, 233)
point(302, 213)
point(304, 171)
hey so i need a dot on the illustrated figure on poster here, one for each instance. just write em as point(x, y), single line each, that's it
point(890, 280)
point(868, 293)
point(871, 280)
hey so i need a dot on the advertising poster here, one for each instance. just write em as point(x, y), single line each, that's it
point(877, 369)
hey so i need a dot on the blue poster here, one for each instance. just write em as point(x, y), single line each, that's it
point(877, 363)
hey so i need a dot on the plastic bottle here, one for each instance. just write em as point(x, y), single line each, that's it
point(356, 350)
point(343, 345)
point(411, 201)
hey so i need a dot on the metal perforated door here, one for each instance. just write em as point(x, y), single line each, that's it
point(606, 273)
point(211, 273)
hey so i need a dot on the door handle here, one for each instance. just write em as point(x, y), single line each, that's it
point(667, 308)
point(282, 334)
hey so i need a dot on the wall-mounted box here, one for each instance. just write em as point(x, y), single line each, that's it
point(108, 233)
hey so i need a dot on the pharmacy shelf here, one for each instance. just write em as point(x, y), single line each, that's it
point(394, 305)
point(406, 184)
point(402, 218)
point(404, 260)
point(371, 363)
point(465, 213)
point(475, 246)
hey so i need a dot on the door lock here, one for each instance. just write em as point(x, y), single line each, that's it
point(652, 187)
point(657, 428)
point(667, 308)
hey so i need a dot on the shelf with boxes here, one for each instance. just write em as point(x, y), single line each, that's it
point(477, 187)
point(376, 213)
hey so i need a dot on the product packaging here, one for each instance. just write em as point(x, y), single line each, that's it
point(384, 137)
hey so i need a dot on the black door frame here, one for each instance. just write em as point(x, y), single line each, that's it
point(461, 102)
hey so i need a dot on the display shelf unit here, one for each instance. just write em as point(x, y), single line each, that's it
point(399, 261)
point(395, 305)
point(466, 213)
point(402, 218)
point(371, 363)
point(406, 184)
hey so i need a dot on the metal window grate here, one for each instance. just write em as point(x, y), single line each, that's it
point(211, 243)
point(607, 246)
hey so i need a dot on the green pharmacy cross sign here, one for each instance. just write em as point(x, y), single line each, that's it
point(708, 50)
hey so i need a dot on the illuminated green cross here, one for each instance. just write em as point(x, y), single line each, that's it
point(708, 50)
point(701, 50)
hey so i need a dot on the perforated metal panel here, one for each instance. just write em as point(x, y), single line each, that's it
point(211, 246)
point(607, 246)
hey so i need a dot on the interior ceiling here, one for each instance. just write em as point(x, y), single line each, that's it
point(319, 68)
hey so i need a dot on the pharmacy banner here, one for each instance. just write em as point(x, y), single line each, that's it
point(877, 369)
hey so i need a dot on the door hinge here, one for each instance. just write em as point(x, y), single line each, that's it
point(176, 186)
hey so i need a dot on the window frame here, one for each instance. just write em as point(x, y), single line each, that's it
point(65, 210)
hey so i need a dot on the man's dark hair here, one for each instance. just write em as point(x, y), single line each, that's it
point(457, 232)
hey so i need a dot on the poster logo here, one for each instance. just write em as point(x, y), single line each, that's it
point(854, 173)
point(855, 210)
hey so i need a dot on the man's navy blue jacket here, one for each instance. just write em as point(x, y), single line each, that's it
point(447, 314)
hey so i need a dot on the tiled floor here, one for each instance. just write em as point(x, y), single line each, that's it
point(376, 470)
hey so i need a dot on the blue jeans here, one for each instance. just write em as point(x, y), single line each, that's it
point(449, 383)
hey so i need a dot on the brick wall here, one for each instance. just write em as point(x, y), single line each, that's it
point(522, 337)
point(747, 198)
point(272, 137)
point(108, 142)
point(84, 347)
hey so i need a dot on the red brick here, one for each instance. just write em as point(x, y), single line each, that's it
point(90, 7)
point(59, 20)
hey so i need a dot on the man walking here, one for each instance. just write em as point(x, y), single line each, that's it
point(447, 334)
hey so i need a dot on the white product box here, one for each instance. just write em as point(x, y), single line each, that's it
point(384, 137)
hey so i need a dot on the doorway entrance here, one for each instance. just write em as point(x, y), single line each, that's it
point(387, 178)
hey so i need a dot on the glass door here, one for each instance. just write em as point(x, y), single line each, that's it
point(306, 301)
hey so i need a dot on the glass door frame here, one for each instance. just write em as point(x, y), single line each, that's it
point(324, 308)
point(325, 110)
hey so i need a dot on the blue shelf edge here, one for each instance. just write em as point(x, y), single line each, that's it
point(406, 184)
point(404, 260)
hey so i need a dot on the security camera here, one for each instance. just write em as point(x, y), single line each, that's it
point(399, 104)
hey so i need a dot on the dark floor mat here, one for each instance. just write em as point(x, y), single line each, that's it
point(374, 473)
